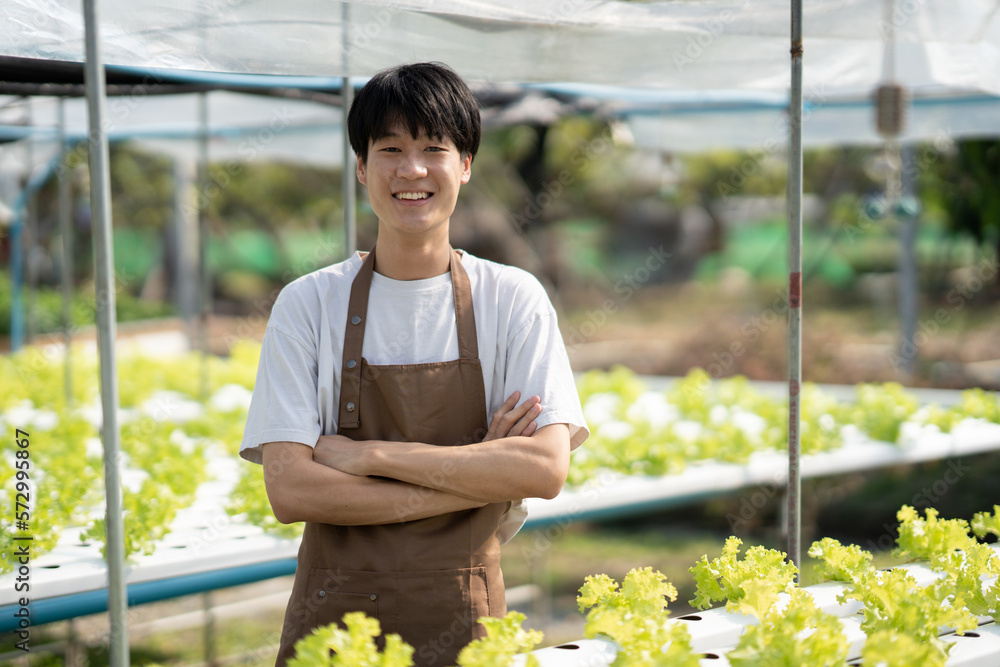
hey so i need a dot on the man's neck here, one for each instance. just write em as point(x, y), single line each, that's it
point(412, 259)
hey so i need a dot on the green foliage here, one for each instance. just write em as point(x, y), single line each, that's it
point(964, 573)
point(351, 646)
point(176, 467)
point(750, 586)
point(931, 537)
point(880, 410)
point(797, 634)
point(891, 648)
point(895, 604)
point(727, 420)
point(984, 523)
point(504, 639)
point(963, 184)
point(980, 404)
point(717, 175)
point(164, 455)
point(46, 313)
point(620, 380)
point(634, 616)
point(66, 482)
point(840, 562)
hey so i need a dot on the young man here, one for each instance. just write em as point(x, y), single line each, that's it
point(376, 377)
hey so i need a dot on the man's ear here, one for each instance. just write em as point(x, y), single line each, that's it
point(361, 171)
point(466, 167)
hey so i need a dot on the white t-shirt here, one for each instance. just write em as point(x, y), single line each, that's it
point(297, 392)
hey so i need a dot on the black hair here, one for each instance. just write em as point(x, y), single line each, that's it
point(423, 96)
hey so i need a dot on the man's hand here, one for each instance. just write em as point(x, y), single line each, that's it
point(341, 453)
point(510, 421)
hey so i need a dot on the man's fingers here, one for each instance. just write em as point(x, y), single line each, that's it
point(507, 406)
point(526, 420)
point(509, 420)
point(530, 408)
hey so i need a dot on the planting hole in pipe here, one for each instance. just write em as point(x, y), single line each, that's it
point(569, 647)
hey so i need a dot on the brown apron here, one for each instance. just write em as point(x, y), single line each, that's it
point(431, 579)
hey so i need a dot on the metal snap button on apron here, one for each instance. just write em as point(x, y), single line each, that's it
point(322, 594)
point(355, 320)
point(351, 363)
point(350, 407)
point(373, 597)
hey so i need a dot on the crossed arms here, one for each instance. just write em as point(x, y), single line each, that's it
point(346, 482)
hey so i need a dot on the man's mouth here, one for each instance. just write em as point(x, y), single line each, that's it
point(412, 195)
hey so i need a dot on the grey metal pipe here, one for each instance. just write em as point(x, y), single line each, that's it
point(204, 275)
point(347, 96)
point(31, 210)
point(794, 513)
point(909, 288)
point(350, 207)
point(100, 203)
point(64, 180)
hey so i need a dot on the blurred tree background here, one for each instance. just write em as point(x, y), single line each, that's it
point(585, 210)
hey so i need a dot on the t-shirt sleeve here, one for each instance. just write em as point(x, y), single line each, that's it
point(537, 364)
point(284, 406)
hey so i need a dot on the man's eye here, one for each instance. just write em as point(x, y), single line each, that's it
point(435, 148)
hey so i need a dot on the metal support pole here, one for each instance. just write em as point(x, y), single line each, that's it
point(794, 516)
point(208, 630)
point(349, 189)
point(31, 277)
point(100, 203)
point(908, 287)
point(350, 207)
point(75, 654)
point(17, 281)
point(184, 232)
point(204, 275)
point(64, 176)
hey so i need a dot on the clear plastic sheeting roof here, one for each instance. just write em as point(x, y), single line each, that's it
point(712, 44)
point(240, 127)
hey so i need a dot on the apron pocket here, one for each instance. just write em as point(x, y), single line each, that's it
point(330, 594)
point(439, 612)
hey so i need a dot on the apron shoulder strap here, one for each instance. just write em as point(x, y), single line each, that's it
point(465, 318)
point(354, 338)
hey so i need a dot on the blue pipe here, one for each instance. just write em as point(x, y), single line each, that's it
point(11, 133)
point(50, 610)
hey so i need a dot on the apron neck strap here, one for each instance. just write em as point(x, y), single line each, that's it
point(465, 318)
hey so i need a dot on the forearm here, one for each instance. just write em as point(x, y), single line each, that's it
point(498, 470)
point(301, 489)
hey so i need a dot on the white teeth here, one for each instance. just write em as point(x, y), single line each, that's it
point(412, 195)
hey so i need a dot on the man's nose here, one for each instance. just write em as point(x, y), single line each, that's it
point(412, 165)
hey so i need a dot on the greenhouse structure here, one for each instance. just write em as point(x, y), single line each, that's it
point(245, 80)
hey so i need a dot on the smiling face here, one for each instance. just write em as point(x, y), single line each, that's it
point(413, 183)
